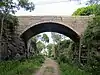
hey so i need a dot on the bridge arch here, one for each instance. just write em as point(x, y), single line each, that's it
point(46, 26)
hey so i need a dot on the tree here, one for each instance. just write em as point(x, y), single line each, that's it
point(89, 2)
point(36, 38)
point(45, 38)
point(92, 9)
point(10, 23)
point(64, 51)
point(97, 10)
point(56, 37)
point(39, 40)
point(50, 49)
point(89, 10)
point(9, 6)
point(40, 46)
point(32, 48)
point(91, 40)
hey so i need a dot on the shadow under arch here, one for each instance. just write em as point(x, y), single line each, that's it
point(50, 27)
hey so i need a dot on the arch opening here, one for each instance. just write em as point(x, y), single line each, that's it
point(50, 27)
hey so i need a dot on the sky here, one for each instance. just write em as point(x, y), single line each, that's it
point(52, 7)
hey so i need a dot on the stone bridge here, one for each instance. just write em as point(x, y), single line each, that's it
point(29, 26)
point(73, 27)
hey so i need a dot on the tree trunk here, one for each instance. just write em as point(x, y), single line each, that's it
point(1, 32)
point(88, 56)
point(80, 51)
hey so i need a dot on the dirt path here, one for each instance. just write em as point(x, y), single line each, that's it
point(50, 67)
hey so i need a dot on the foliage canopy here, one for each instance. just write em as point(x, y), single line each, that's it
point(89, 10)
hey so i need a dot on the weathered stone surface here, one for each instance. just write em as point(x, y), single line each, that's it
point(71, 26)
point(78, 23)
point(15, 47)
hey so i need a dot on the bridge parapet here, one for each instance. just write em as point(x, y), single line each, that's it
point(79, 23)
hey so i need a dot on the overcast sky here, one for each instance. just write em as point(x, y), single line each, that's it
point(52, 7)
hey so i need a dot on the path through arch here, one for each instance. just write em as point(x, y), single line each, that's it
point(50, 67)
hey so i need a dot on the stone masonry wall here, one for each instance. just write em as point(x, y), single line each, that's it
point(76, 23)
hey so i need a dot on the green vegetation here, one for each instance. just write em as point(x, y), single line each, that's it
point(91, 40)
point(86, 11)
point(93, 30)
point(37, 43)
point(50, 49)
point(22, 67)
point(66, 52)
point(90, 47)
point(63, 51)
point(67, 69)
point(9, 23)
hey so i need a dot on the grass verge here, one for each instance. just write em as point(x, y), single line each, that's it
point(67, 69)
point(23, 67)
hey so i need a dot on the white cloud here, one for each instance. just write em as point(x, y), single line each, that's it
point(51, 7)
